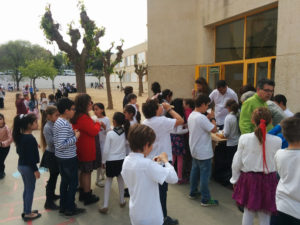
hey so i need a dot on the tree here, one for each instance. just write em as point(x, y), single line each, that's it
point(14, 54)
point(39, 68)
point(90, 40)
point(108, 67)
point(121, 74)
point(96, 67)
point(141, 70)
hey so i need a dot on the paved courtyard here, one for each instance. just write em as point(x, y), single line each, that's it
point(188, 212)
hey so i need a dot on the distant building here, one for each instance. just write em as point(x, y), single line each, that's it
point(136, 53)
point(240, 41)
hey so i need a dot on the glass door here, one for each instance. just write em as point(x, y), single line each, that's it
point(234, 76)
point(213, 76)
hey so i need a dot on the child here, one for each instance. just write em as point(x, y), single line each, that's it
point(232, 133)
point(48, 159)
point(189, 106)
point(113, 157)
point(177, 139)
point(142, 176)
point(132, 98)
point(100, 116)
point(253, 170)
point(5, 141)
point(129, 112)
point(20, 104)
point(86, 146)
point(33, 105)
point(51, 100)
point(26, 102)
point(162, 127)
point(27, 149)
point(43, 103)
point(287, 162)
point(127, 90)
point(65, 152)
point(201, 149)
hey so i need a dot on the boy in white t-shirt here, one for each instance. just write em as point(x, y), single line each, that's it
point(142, 175)
point(287, 162)
point(162, 127)
point(200, 128)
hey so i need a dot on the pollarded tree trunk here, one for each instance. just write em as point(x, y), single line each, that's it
point(141, 90)
point(53, 86)
point(108, 90)
point(80, 79)
point(33, 84)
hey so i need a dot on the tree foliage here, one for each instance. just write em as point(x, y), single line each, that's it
point(39, 68)
point(90, 40)
point(14, 54)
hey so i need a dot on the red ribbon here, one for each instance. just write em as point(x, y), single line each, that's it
point(263, 129)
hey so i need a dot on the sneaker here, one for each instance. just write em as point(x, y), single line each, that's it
point(169, 221)
point(210, 202)
point(76, 211)
point(193, 197)
point(2, 175)
point(90, 198)
point(100, 183)
point(122, 205)
point(51, 205)
point(103, 210)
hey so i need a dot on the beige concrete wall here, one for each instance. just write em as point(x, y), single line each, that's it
point(287, 75)
point(177, 41)
point(220, 10)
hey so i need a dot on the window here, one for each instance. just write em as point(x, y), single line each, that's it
point(261, 34)
point(141, 58)
point(229, 41)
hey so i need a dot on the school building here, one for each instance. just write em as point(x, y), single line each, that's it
point(240, 41)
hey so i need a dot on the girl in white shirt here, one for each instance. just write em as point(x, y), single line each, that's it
point(113, 157)
point(231, 131)
point(129, 112)
point(253, 170)
point(100, 116)
point(142, 175)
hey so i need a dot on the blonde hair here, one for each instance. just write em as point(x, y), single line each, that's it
point(50, 110)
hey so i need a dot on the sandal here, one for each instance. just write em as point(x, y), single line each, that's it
point(29, 218)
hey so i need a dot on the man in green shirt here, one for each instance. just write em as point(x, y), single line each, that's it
point(265, 90)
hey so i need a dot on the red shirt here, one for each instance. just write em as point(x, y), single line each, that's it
point(86, 147)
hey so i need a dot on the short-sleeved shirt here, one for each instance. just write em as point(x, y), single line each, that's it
point(199, 137)
point(220, 101)
point(162, 127)
point(287, 164)
point(142, 175)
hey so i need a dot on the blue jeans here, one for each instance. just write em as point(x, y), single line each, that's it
point(200, 169)
point(68, 169)
point(29, 186)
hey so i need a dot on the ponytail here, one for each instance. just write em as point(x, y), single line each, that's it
point(120, 120)
point(21, 123)
point(262, 117)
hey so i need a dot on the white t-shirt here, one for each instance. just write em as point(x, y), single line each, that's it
point(200, 138)
point(44, 103)
point(162, 127)
point(102, 133)
point(249, 155)
point(287, 194)
point(114, 147)
point(142, 175)
point(288, 113)
point(220, 101)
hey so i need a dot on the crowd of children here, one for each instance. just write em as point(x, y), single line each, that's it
point(141, 157)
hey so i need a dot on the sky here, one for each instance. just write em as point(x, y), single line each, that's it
point(123, 19)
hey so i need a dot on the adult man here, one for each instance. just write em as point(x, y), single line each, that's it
point(265, 90)
point(219, 97)
point(281, 101)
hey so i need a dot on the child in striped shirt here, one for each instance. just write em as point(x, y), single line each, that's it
point(65, 151)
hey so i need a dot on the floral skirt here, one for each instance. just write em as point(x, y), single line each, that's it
point(178, 146)
point(256, 191)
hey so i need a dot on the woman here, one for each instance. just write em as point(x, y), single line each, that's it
point(86, 147)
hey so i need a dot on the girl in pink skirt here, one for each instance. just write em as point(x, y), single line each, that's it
point(253, 170)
